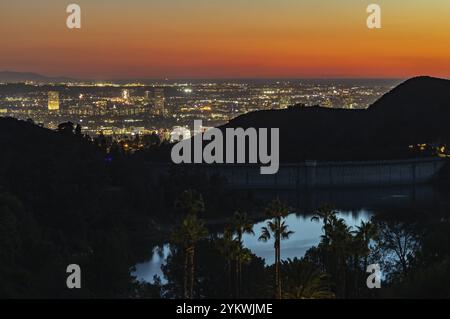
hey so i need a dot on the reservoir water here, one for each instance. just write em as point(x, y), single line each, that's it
point(353, 205)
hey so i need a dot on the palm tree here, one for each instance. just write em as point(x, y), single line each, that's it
point(277, 229)
point(305, 281)
point(366, 232)
point(188, 234)
point(242, 256)
point(190, 202)
point(360, 246)
point(339, 240)
point(324, 213)
point(241, 225)
point(226, 245)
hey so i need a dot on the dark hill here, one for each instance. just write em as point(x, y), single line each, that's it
point(417, 111)
point(14, 77)
point(45, 168)
point(61, 202)
point(416, 96)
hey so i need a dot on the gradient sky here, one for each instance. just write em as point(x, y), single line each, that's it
point(226, 38)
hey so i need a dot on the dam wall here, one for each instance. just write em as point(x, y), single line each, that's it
point(312, 174)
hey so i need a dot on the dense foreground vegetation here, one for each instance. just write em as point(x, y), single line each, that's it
point(413, 254)
point(65, 199)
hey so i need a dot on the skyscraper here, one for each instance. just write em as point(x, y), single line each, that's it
point(126, 95)
point(53, 101)
point(159, 101)
point(147, 97)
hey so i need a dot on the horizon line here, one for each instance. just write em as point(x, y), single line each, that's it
point(197, 78)
point(238, 78)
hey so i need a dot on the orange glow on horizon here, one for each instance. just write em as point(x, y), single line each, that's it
point(218, 39)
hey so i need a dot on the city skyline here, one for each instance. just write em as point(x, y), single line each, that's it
point(238, 39)
point(127, 108)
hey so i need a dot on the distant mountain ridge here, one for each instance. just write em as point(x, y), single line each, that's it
point(14, 77)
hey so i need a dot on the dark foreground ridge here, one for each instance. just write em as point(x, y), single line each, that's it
point(65, 200)
point(416, 111)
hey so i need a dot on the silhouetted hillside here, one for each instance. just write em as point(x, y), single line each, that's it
point(13, 77)
point(61, 202)
point(418, 95)
point(64, 200)
point(417, 111)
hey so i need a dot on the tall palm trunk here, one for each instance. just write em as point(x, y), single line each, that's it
point(278, 259)
point(191, 286)
point(343, 270)
point(277, 270)
point(240, 276)
point(356, 267)
point(277, 228)
point(186, 273)
point(238, 264)
point(237, 277)
point(230, 285)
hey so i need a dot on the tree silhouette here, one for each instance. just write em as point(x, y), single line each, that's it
point(364, 234)
point(324, 214)
point(190, 202)
point(339, 244)
point(241, 225)
point(277, 229)
point(78, 130)
point(66, 128)
point(188, 234)
point(227, 246)
point(304, 281)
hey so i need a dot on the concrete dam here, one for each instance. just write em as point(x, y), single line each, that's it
point(317, 175)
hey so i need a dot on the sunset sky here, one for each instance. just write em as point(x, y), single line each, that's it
point(226, 39)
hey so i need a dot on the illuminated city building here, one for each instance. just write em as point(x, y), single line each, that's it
point(53, 101)
point(125, 94)
point(147, 96)
point(214, 103)
point(285, 101)
point(159, 101)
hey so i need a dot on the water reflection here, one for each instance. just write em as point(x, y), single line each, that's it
point(355, 205)
point(306, 235)
point(147, 270)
